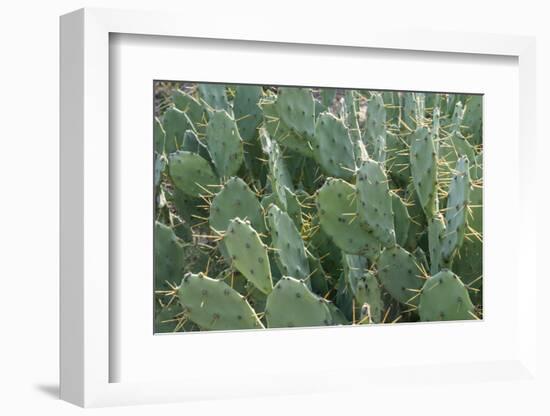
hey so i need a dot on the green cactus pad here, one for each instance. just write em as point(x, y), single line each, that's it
point(401, 219)
point(374, 202)
point(333, 148)
point(337, 210)
point(289, 246)
point(248, 253)
point(175, 124)
point(292, 304)
point(224, 143)
point(168, 256)
point(401, 275)
point(235, 199)
point(296, 107)
point(191, 173)
point(424, 170)
point(213, 305)
point(376, 121)
point(456, 214)
point(445, 298)
point(247, 111)
point(214, 96)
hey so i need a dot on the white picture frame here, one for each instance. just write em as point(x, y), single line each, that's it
point(86, 353)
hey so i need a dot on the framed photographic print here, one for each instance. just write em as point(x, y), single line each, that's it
point(328, 223)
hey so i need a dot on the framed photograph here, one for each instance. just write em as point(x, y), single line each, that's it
point(326, 215)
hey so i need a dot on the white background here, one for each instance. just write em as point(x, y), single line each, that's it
point(29, 185)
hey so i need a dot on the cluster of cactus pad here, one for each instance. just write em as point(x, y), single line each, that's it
point(297, 207)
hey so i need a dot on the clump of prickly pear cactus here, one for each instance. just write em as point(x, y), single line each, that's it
point(281, 207)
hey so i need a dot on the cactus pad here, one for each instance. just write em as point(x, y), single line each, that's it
point(445, 298)
point(424, 170)
point(213, 305)
point(224, 143)
point(333, 148)
point(289, 247)
point(235, 199)
point(296, 107)
point(376, 120)
point(248, 253)
point(292, 304)
point(247, 111)
point(374, 202)
point(401, 275)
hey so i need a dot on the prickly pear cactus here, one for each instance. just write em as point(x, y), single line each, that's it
point(279, 207)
